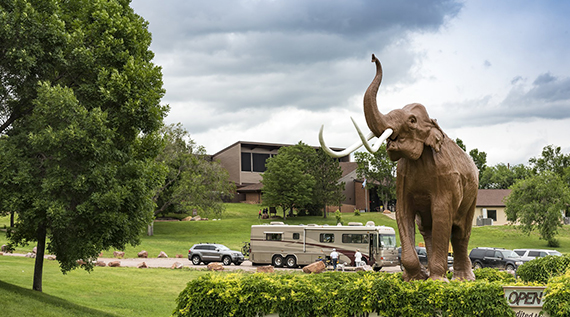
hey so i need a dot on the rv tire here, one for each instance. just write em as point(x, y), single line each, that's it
point(291, 261)
point(277, 260)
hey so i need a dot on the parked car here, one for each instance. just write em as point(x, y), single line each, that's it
point(422, 255)
point(536, 253)
point(496, 258)
point(211, 252)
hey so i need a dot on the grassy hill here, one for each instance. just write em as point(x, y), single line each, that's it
point(234, 229)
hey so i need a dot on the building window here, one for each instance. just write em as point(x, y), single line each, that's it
point(246, 162)
point(296, 236)
point(259, 162)
point(273, 236)
point(492, 214)
point(327, 237)
point(354, 238)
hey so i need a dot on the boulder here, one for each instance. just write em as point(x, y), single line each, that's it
point(118, 254)
point(180, 256)
point(114, 264)
point(4, 248)
point(1, 253)
point(101, 254)
point(215, 266)
point(80, 262)
point(196, 218)
point(265, 269)
point(143, 254)
point(189, 218)
point(35, 250)
point(316, 267)
point(51, 257)
point(177, 265)
point(162, 255)
point(30, 255)
point(142, 265)
point(100, 263)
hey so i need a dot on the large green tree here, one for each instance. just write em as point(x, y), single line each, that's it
point(79, 110)
point(192, 181)
point(537, 204)
point(379, 171)
point(286, 182)
point(503, 176)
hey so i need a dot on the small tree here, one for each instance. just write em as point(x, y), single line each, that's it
point(379, 171)
point(286, 182)
point(192, 181)
point(537, 204)
point(327, 173)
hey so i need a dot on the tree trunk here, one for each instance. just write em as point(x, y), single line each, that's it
point(325, 211)
point(11, 219)
point(150, 229)
point(39, 267)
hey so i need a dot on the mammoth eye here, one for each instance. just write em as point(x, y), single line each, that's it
point(413, 119)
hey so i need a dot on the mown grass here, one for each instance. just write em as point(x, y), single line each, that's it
point(104, 292)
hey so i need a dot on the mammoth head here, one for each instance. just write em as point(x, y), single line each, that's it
point(406, 130)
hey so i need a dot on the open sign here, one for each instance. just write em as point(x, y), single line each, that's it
point(526, 301)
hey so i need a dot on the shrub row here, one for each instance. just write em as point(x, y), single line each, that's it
point(338, 294)
point(542, 269)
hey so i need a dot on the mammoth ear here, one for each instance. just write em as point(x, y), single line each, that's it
point(435, 137)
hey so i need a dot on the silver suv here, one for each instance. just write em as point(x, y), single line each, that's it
point(210, 252)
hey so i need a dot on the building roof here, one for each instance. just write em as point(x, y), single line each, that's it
point(251, 188)
point(492, 197)
point(269, 146)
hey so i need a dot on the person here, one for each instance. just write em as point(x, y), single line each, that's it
point(357, 257)
point(259, 215)
point(334, 258)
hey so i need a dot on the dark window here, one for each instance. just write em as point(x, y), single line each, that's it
point(259, 162)
point(246, 162)
point(200, 247)
point(533, 253)
point(327, 237)
point(273, 236)
point(490, 253)
point(492, 214)
point(296, 236)
point(354, 238)
point(520, 252)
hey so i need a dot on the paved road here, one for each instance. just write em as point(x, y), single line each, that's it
point(168, 262)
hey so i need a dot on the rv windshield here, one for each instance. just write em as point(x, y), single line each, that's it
point(387, 241)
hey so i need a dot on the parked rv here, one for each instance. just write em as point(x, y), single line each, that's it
point(280, 245)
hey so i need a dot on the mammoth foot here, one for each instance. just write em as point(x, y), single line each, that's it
point(421, 275)
point(463, 275)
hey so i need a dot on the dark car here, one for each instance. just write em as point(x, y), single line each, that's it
point(211, 252)
point(422, 255)
point(496, 258)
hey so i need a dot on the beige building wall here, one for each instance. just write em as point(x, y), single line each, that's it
point(500, 212)
point(228, 160)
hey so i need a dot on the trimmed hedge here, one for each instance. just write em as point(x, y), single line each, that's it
point(542, 269)
point(557, 299)
point(338, 294)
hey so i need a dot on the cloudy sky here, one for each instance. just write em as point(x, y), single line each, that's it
point(495, 74)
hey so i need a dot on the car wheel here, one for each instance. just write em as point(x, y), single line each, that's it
point(477, 265)
point(377, 268)
point(196, 260)
point(291, 262)
point(277, 261)
point(237, 263)
point(510, 267)
point(227, 260)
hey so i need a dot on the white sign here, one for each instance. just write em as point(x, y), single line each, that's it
point(526, 301)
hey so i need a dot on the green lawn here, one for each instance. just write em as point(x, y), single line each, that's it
point(152, 292)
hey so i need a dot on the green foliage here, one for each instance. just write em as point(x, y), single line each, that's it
point(493, 275)
point(379, 171)
point(80, 104)
point(286, 182)
point(338, 216)
point(502, 176)
point(327, 190)
point(537, 203)
point(357, 212)
point(192, 181)
point(337, 294)
point(557, 296)
point(542, 269)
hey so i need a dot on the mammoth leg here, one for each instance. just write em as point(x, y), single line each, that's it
point(405, 217)
point(459, 240)
point(441, 216)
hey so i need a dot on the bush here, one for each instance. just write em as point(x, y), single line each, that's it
point(557, 297)
point(337, 294)
point(542, 269)
point(356, 212)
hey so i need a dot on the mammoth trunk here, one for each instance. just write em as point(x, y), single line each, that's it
point(374, 119)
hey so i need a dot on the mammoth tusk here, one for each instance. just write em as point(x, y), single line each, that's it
point(346, 151)
point(372, 149)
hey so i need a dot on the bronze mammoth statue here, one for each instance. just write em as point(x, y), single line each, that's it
point(436, 184)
